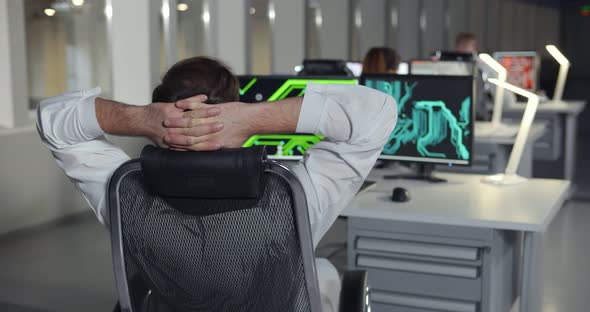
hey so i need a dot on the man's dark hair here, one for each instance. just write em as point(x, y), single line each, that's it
point(464, 37)
point(381, 60)
point(198, 75)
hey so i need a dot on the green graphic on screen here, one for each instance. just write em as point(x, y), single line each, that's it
point(255, 89)
point(434, 118)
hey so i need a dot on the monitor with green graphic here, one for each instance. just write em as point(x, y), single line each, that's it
point(435, 117)
point(254, 89)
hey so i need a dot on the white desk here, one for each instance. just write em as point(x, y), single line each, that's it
point(466, 202)
point(568, 110)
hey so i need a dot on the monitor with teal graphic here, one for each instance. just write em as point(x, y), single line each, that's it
point(254, 89)
point(435, 117)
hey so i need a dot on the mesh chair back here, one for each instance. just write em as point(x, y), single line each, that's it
point(224, 255)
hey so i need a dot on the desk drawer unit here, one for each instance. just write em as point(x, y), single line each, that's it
point(420, 267)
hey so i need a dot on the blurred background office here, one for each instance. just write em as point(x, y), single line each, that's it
point(54, 256)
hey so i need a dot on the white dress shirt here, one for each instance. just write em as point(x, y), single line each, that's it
point(356, 122)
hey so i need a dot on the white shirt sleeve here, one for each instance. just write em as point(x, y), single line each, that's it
point(356, 122)
point(68, 127)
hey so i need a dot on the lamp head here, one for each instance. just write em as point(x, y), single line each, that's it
point(557, 55)
point(492, 63)
point(512, 88)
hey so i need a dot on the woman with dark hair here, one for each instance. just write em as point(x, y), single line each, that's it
point(381, 60)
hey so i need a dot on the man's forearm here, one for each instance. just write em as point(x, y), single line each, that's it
point(235, 122)
point(275, 117)
point(122, 119)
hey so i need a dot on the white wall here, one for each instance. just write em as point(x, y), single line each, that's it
point(334, 39)
point(13, 74)
point(135, 50)
point(433, 27)
point(33, 190)
point(229, 20)
point(288, 35)
point(372, 31)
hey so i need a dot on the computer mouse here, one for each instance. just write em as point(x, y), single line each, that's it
point(400, 195)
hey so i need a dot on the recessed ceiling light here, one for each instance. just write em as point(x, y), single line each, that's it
point(182, 7)
point(49, 12)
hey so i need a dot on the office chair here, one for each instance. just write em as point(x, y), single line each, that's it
point(325, 68)
point(215, 231)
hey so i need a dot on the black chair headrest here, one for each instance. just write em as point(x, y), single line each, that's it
point(226, 173)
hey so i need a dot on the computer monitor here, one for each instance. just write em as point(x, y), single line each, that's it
point(324, 67)
point(254, 89)
point(452, 56)
point(447, 68)
point(522, 67)
point(435, 118)
point(355, 67)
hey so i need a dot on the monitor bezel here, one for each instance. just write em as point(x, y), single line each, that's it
point(424, 160)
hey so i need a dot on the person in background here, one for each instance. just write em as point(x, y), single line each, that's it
point(381, 60)
point(466, 42)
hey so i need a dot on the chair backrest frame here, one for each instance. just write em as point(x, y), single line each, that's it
point(301, 217)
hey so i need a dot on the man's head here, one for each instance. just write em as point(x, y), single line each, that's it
point(198, 75)
point(380, 60)
point(466, 42)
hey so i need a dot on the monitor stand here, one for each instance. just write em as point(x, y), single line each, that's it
point(423, 172)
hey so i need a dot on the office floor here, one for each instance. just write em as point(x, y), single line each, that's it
point(64, 267)
point(67, 267)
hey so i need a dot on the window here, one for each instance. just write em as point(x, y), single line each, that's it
point(193, 25)
point(67, 47)
point(262, 15)
point(313, 26)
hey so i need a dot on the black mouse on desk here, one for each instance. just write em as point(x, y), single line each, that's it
point(400, 195)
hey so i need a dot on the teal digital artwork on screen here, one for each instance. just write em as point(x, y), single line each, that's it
point(435, 118)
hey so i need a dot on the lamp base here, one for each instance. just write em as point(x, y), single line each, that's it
point(504, 179)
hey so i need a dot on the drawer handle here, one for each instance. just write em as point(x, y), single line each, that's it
point(422, 302)
point(419, 249)
point(417, 267)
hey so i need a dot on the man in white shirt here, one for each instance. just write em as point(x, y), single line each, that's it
point(356, 122)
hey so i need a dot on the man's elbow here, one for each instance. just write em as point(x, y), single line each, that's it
point(49, 126)
point(386, 118)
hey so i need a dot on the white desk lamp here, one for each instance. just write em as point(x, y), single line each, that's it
point(563, 69)
point(499, 97)
point(510, 176)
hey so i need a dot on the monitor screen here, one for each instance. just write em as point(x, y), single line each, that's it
point(522, 67)
point(355, 67)
point(435, 117)
point(448, 68)
point(452, 56)
point(255, 89)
